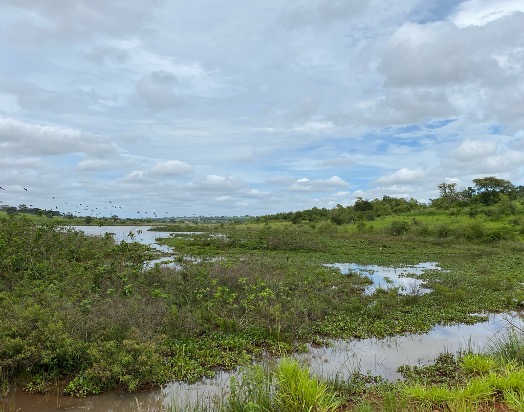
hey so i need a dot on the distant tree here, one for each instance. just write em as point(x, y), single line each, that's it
point(10, 210)
point(490, 188)
point(340, 215)
point(362, 205)
point(448, 195)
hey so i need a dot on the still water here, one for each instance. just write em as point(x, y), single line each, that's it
point(139, 234)
point(389, 277)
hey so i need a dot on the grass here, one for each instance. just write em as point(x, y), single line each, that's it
point(287, 386)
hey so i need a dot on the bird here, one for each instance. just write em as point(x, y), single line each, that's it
point(25, 189)
point(2, 188)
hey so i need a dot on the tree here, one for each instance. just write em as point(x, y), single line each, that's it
point(490, 188)
point(362, 205)
point(448, 195)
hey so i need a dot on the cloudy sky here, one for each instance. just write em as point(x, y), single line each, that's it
point(184, 107)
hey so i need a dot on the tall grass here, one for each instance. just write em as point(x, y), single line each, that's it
point(509, 347)
point(287, 387)
point(298, 391)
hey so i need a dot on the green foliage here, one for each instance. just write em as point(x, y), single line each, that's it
point(475, 364)
point(298, 391)
point(509, 347)
point(443, 370)
point(251, 392)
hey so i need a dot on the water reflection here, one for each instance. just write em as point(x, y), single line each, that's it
point(382, 357)
point(140, 234)
point(379, 357)
point(389, 277)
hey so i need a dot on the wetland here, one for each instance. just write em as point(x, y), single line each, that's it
point(89, 315)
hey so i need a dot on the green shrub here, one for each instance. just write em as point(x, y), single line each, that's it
point(397, 228)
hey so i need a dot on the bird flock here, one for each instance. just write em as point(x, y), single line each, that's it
point(109, 209)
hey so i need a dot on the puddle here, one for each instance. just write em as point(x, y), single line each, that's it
point(389, 277)
point(379, 357)
point(383, 357)
point(140, 234)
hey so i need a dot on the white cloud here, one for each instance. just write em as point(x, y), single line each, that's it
point(318, 185)
point(179, 104)
point(58, 21)
point(216, 183)
point(92, 165)
point(474, 150)
point(157, 90)
point(19, 137)
point(171, 168)
point(314, 127)
point(320, 13)
point(482, 12)
point(402, 176)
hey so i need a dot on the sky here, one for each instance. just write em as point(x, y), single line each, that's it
point(221, 108)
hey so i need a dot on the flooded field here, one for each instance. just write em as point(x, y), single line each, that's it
point(379, 357)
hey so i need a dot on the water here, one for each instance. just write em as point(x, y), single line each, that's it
point(382, 357)
point(139, 234)
point(389, 277)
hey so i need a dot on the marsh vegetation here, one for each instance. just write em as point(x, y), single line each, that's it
point(87, 312)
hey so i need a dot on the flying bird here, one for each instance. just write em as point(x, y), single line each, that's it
point(2, 188)
point(25, 189)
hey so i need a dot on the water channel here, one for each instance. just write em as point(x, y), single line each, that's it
point(377, 357)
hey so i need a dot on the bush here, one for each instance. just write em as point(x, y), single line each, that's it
point(397, 228)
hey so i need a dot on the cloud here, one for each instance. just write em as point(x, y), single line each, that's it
point(216, 183)
point(95, 96)
point(171, 168)
point(456, 56)
point(402, 176)
point(156, 89)
point(107, 54)
point(18, 137)
point(482, 12)
point(318, 185)
point(474, 150)
point(62, 21)
point(314, 127)
point(337, 161)
point(452, 71)
point(31, 96)
point(94, 165)
point(320, 13)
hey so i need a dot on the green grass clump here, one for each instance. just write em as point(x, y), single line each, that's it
point(475, 364)
point(509, 347)
point(298, 391)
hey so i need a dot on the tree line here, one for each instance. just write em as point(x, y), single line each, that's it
point(487, 191)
